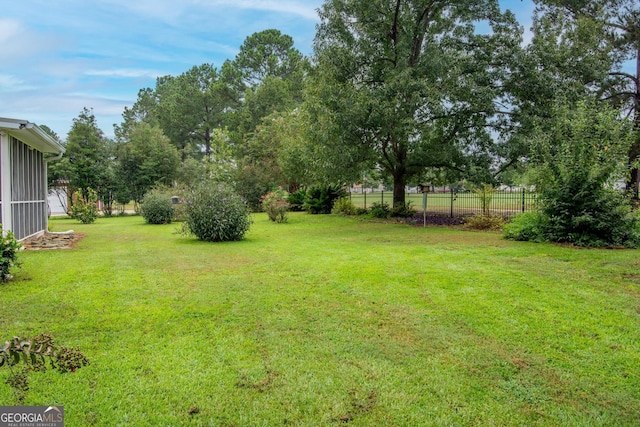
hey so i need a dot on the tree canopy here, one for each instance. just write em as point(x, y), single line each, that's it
point(86, 155)
point(610, 34)
point(146, 159)
point(407, 85)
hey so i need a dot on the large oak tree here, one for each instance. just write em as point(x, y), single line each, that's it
point(404, 85)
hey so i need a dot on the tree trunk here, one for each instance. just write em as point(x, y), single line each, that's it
point(399, 185)
point(634, 152)
point(207, 143)
point(634, 177)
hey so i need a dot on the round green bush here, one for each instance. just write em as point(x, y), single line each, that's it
point(157, 207)
point(215, 213)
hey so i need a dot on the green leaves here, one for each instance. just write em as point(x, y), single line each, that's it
point(276, 205)
point(268, 53)
point(193, 104)
point(86, 156)
point(33, 353)
point(599, 42)
point(145, 159)
point(579, 157)
point(407, 85)
point(9, 248)
point(85, 206)
point(157, 207)
point(215, 213)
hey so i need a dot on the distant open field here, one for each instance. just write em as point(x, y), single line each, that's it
point(458, 204)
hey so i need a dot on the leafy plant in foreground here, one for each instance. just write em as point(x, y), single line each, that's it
point(33, 354)
point(526, 227)
point(10, 248)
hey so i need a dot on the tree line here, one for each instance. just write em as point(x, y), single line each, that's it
point(406, 91)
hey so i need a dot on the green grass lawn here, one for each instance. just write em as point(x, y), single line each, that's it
point(331, 321)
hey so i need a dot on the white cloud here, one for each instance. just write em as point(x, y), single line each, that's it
point(124, 73)
point(300, 8)
point(58, 57)
point(170, 10)
point(19, 41)
point(10, 83)
point(57, 110)
point(10, 29)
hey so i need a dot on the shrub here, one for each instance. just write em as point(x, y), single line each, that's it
point(404, 211)
point(296, 200)
point(380, 210)
point(602, 218)
point(344, 206)
point(484, 222)
point(578, 158)
point(215, 213)
point(84, 207)
point(157, 207)
point(320, 200)
point(527, 226)
point(10, 248)
point(275, 204)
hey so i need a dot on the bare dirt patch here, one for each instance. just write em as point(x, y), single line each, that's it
point(51, 241)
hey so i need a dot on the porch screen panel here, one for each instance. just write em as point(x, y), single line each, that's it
point(29, 196)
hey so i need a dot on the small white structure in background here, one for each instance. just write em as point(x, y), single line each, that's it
point(58, 201)
point(25, 150)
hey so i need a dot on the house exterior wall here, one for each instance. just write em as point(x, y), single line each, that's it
point(25, 150)
point(23, 188)
point(5, 181)
point(28, 190)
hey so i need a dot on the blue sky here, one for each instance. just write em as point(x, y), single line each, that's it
point(57, 57)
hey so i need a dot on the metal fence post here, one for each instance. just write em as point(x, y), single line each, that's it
point(523, 201)
point(451, 191)
point(424, 208)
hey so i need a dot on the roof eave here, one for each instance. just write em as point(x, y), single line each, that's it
point(31, 134)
